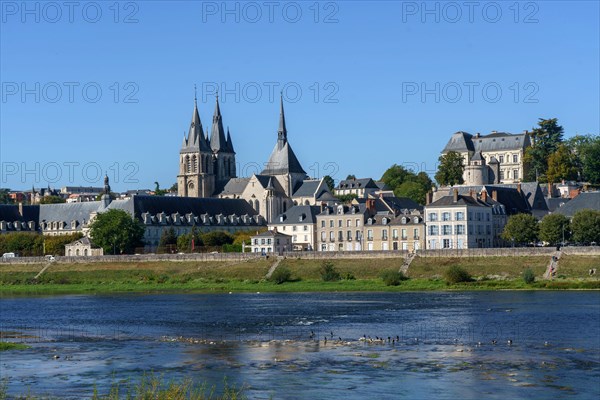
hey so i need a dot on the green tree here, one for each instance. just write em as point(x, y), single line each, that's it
point(346, 198)
point(561, 165)
point(217, 238)
point(395, 176)
point(412, 190)
point(552, 228)
point(586, 149)
point(56, 244)
point(158, 191)
point(328, 272)
point(586, 226)
point(184, 242)
point(5, 196)
point(173, 188)
point(450, 170)
point(52, 200)
point(116, 232)
point(168, 241)
point(329, 182)
point(23, 243)
point(351, 176)
point(545, 140)
point(521, 229)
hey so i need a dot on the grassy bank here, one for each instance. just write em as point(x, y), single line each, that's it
point(489, 273)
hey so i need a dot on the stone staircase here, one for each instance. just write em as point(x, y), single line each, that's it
point(408, 259)
point(553, 265)
point(274, 266)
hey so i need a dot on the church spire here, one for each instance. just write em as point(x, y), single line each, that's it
point(217, 137)
point(282, 131)
point(195, 137)
point(229, 142)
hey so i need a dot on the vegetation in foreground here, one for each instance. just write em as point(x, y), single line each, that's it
point(300, 275)
point(5, 346)
point(154, 387)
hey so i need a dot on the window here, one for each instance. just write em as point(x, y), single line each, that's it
point(416, 233)
point(445, 216)
point(446, 229)
point(262, 241)
point(323, 224)
point(459, 229)
point(340, 236)
point(305, 228)
point(488, 229)
point(269, 241)
point(470, 229)
point(460, 216)
point(488, 217)
point(384, 234)
point(501, 174)
point(500, 159)
point(306, 238)
point(432, 217)
point(394, 233)
point(339, 223)
point(370, 234)
point(446, 243)
point(357, 222)
point(331, 236)
point(478, 216)
point(294, 238)
point(515, 158)
point(294, 228)
point(515, 173)
point(349, 235)
point(433, 229)
point(322, 236)
point(403, 233)
point(348, 223)
point(331, 223)
point(358, 235)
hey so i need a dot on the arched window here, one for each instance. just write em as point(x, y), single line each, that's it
point(257, 206)
point(194, 163)
point(188, 165)
point(85, 252)
point(77, 252)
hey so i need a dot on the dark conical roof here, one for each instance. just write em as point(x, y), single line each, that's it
point(282, 160)
point(195, 139)
point(229, 142)
point(218, 143)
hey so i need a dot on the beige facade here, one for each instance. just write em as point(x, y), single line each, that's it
point(300, 223)
point(82, 248)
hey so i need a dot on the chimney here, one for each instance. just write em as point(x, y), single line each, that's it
point(455, 195)
point(428, 198)
point(495, 195)
point(574, 193)
point(550, 189)
point(519, 187)
point(21, 209)
point(371, 204)
point(484, 196)
point(472, 193)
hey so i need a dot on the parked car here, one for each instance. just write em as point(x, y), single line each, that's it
point(9, 255)
point(50, 258)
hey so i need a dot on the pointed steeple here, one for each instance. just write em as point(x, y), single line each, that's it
point(195, 138)
point(218, 142)
point(282, 131)
point(229, 142)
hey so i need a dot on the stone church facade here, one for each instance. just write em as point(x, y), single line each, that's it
point(207, 169)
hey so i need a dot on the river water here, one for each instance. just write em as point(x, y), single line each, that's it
point(441, 344)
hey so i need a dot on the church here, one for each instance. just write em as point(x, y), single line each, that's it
point(207, 168)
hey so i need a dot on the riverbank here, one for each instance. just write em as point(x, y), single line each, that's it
point(425, 273)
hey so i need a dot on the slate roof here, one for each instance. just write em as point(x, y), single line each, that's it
point(382, 186)
point(554, 203)
point(460, 142)
point(270, 234)
point(396, 204)
point(357, 184)
point(307, 188)
point(496, 141)
point(327, 196)
point(185, 205)
point(509, 197)
point(585, 200)
point(235, 186)
point(447, 201)
point(10, 213)
point(282, 161)
point(294, 214)
point(68, 212)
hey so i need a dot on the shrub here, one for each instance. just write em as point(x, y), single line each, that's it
point(281, 275)
point(328, 272)
point(392, 278)
point(349, 276)
point(528, 276)
point(456, 274)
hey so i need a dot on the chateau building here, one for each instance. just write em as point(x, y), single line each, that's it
point(491, 159)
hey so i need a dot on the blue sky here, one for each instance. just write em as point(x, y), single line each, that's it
point(381, 82)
